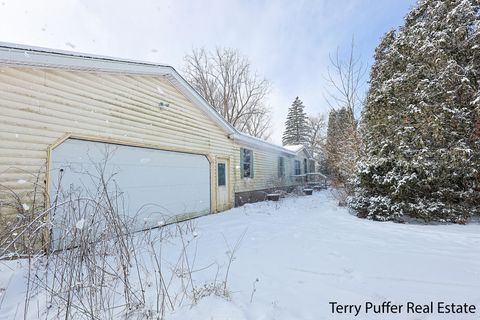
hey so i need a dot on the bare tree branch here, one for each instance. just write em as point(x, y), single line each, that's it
point(343, 145)
point(346, 78)
point(224, 78)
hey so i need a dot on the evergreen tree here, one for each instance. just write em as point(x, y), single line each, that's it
point(421, 122)
point(296, 126)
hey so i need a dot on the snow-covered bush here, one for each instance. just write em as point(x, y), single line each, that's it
point(421, 123)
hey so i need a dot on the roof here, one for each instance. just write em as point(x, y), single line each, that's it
point(297, 148)
point(294, 147)
point(16, 54)
point(260, 143)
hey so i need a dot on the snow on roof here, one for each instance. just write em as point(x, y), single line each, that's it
point(258, 142)
point(297, 148)
point(294, 147)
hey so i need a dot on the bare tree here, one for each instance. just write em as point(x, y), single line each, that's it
point(317, 126)
point(225, 79)
point(346, 78)
point(343, 150)
point(317, 136)
point(259, 124)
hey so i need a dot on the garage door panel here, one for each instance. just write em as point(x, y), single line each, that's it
point(155, 186)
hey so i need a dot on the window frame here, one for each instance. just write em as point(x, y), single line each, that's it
point(221, 180)
point(249, 163)
point(297, 167)
point(312, 165)
point(281, 167)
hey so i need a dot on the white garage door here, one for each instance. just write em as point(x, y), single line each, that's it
point(151, 186)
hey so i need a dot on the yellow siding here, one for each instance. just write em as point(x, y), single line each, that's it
point(265, 168)
point(38, 107)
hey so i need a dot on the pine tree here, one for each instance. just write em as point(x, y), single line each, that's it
point(421, 123)
point(296, 126)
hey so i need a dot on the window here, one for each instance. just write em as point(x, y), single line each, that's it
point(305, 167)
point(246, 163)
point(312, 166)
point(281, 167)
point(297, 167)
point(221, 174)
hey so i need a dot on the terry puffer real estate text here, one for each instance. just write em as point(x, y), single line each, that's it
point(388, 307)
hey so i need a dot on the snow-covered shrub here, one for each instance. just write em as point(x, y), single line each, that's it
point(421, 123)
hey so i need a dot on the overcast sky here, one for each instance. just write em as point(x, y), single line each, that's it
point(288, 42)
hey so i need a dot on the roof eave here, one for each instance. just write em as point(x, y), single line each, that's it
point(258, 143)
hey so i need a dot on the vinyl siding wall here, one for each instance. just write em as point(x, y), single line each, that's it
point(265, 164)
point(40, 107)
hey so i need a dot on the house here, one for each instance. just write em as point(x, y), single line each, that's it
point(278, 168)
point(68, 119)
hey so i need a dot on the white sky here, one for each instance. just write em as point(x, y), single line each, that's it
point(286, 41)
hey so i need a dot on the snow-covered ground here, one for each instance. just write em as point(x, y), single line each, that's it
point(302, 253)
